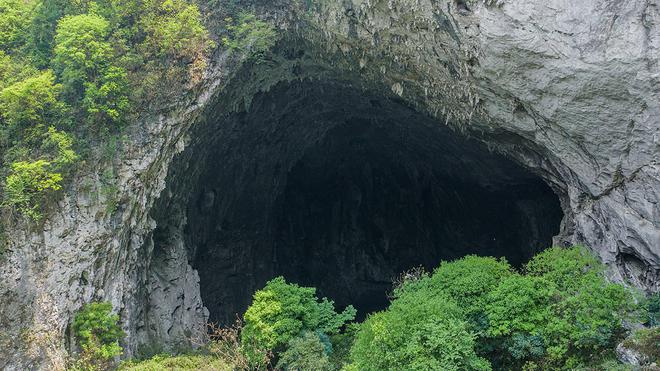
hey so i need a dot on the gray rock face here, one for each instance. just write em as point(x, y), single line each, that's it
point(569, 90)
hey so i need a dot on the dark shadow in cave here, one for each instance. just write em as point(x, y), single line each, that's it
point(334, 188)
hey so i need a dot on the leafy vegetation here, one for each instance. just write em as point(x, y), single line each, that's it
point(201, 362)
point(419, 332)
point(281, 311)
point(72, 72)
point(561, 314)
point(250, 35)
point(98, 333)
point(476, 313)
point(306, 352)
point(653, 309)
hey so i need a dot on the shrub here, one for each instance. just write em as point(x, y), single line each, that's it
point(519, 304)
point(97, 331)
point(282, 311)
point(566, 304)
point(588, 312)
point(27, 184)
point(653, 309)
point(250, 35)
point(420, 330)
point(305, 352)
point(81, 50)
point(198, 362)
point(31, 102)
point(14, 19)
point(469, 280)
point(565, 267)
point(175, 29)
point(58, 146)
point(225, 343)
point(106, 100)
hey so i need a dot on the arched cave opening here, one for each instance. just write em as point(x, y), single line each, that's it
point(336, 188)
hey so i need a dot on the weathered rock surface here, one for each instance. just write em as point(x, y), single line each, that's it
point(569, 90)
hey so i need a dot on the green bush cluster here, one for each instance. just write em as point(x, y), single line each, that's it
point(97, 332)
point(282, 312)
point(198, 362)
point(78, 70)
point(477, 313)
point(250, 35)
point(560, 314)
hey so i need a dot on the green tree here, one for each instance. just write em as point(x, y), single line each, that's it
point(31, 102)
point(41, 32)
point(15, 16)
point(27, 184)
point(175, 29)
point(58, 145)
point(85, 60)
point(469, 280)
point(106, 100)
point(420, 330)
point(13, 70)
point(305, 352)
point(282, 311)
point(519, 304)
point(98, 333)
point(82, 52)
point(250, 35)
point(562, 314)
point(587, 311)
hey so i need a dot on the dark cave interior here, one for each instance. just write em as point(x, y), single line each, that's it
point(333, 187)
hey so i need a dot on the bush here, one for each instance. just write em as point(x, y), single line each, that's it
point(561, 314)
point(31, 102)
point(653, 309)
point(97, 331)
point(469, 280)
point(14, 18)
point(588, 312)
point(565, 267)
point(420, 330)
point(566, 304)
point(81, 51)
point(180, 362)
point(225, 343)
point(305, 352)
point(250, 35)
point(174, 29)
point(27, 184)
point(519, 304)
point(281, 311)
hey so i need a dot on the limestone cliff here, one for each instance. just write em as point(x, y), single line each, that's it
point(569, 92)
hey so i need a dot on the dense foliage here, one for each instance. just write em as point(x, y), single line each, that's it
point(198, 362)
point(306, 352)
point(73, 73)
point(281, 312)
point(477, 313)
point(560, 314)
point(418, 332)
point(97, 332)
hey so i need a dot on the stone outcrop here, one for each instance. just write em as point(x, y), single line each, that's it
point(570, 91)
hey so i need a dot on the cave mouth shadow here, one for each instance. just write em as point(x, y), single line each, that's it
point(335, 188)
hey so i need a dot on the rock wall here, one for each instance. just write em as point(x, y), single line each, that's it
point(570, 90)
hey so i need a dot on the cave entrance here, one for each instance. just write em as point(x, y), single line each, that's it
point(335, 188)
